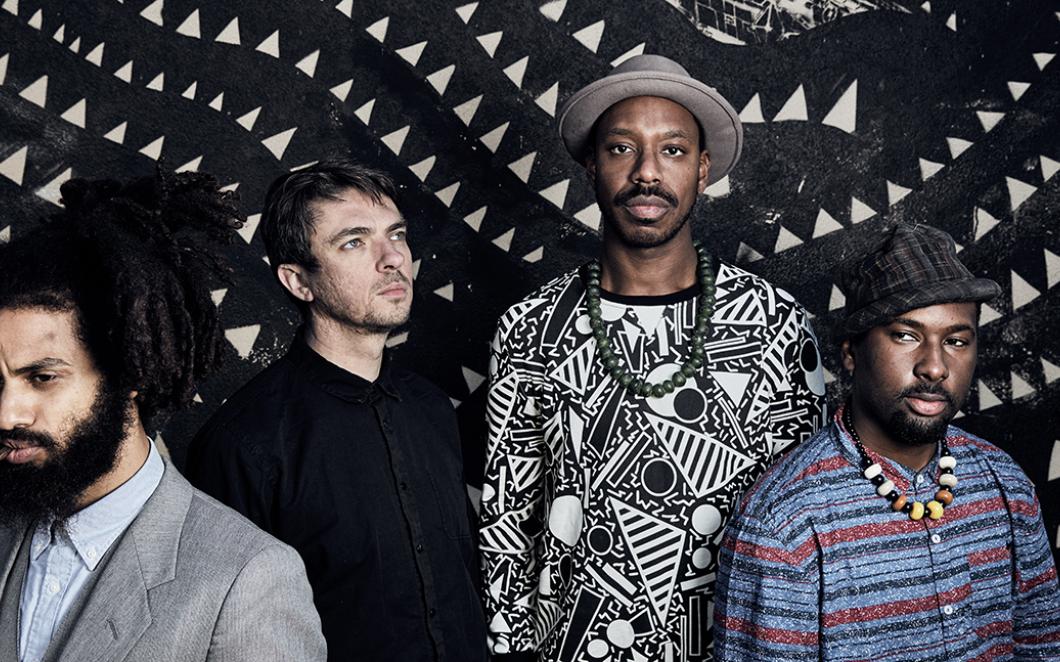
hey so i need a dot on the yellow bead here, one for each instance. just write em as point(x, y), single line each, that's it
point(918, 511)
point(934, 509)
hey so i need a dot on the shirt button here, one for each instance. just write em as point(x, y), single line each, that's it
point(920, 479)
point(431, 612)
point(92, 554)
point(936, 538)
point(53, 586)
point(419, 548)
point(948, 610)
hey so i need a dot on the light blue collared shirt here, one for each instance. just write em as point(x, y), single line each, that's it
point(60, 565)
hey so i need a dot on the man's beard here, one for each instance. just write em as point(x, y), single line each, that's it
point(905, 429)
point(50, 491)
point(331, 304)
point(634, 239)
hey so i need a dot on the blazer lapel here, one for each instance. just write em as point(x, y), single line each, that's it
point(10, 542)
point(118, 611)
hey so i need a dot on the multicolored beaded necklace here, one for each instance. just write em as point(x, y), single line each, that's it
point(885, 487)
point(705, 271)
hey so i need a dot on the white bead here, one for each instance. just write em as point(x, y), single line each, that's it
point(873, 471)
point(885, 488)
point(949, 480)
point(947, 462)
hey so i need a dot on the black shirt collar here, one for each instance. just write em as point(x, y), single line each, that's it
point(338, 381)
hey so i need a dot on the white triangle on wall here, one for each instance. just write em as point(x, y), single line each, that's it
point(191, 166)
point(504, 242)
point(957, 146)
point(153, 149)
point(117, 134)
point(3, 67)
point(157, 83)
point(36, 92)
point(270, 45)
point(492, 139)
point(1022, 292)
point(988, 315)
point(1043, 59)
point(843, 115)
point(248, 120)
point(984, 222)
point(1051, 370)
point(14, 166)
point(1020, 387)
point(590, 216)
point(859, 211)
point(345, 7)
point(1018, 192)
point(342, 90)
point(396, 139)
point(516, 70)
point(75, 114)
point(474, 219)
point(466, 11)
point(633, 52)
point(96, 55)
point(218, 102)
point(422, 168)
point(987, 399)
point(794, 109)
point(190, 26)
point(895, 193)
point(746, 254)
point(553, 9)
point(928, 168)
point(230, 33)
point(490, 41)
point(249, 227)
point(411, 54)
point(825, 224)
point(988, 119)
point(190, 92)
point(786, 240)
point(590, 35)
point(448, 194)
point(277, 143)
point(242, 338)
point(718, 189)
point(378, 29)
point(836, 300)
point(51, 192)
point(535, 255)
point(364, 113)
point(557, 193)
point(1052, 268)
point(125, 72)
point(445, 291)
point(1017, 89)
point(466, 111)
point(153, 12)
point(308, 64)
point(547, 100)
point(439, 80)
point(752, 112)
point(1054, 473)
point(1049, 166)
point(523, 166)
point(36, 20)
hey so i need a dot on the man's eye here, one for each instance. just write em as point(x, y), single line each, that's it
point(398, 236)
point(352, 243)
point(903, 336)
point(958, 342)
point(42, 378)
point(620, 149)
point(673, 151)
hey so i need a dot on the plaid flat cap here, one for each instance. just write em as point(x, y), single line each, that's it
point(915, 266)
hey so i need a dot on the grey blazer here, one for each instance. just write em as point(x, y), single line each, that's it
point(190, 580)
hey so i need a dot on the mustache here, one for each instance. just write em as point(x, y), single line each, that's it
point(393, 277)
point(657, 191)
point(19, 437)
point(928, 389)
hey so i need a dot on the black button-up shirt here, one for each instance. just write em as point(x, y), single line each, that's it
point(365, 480)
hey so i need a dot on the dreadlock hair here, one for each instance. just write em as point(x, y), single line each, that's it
point(134, 263)
point(288, 218)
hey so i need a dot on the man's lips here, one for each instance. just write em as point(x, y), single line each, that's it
point(927, 404)
point(19, 452)
point(647, 207)
point(395, 290)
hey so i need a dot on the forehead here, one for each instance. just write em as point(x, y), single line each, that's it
point(352, 208)
point(648, 114)
point(29, 334)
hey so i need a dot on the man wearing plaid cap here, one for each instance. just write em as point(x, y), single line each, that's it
point(892, 535)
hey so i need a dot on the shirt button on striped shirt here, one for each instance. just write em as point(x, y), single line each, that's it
point(936, 538)
point(948, 610)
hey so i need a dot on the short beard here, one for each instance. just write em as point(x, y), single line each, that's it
point(906, 430)
point(50, 492)
point(633, 240)
point(369, 324)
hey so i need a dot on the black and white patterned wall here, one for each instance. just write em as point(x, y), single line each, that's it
point(857, 113)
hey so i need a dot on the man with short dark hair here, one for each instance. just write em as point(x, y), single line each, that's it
point(631, 401)
point(892, 535)
point(106, 552)
point(355, 464)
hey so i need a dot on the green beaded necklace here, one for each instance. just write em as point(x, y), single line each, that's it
point(705, 271)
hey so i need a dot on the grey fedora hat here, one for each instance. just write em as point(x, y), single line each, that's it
point(655, 76)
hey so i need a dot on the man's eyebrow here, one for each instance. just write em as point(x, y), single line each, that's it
point(42, 364)
point(618, 131)
point(349, 232)
point(400, 225)
point(677, 133)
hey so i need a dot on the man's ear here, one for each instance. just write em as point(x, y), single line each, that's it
point(590, 168)
point(704, 169)
point(293, 278)
point(846, 352)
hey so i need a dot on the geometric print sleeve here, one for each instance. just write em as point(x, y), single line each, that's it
point(513, 490)
point(797, 409)
point(766, 606)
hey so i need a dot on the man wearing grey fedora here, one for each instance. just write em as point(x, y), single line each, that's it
point(892, 535)
point(633, 399)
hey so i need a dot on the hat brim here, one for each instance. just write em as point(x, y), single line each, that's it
point(722, 130)
point(886, 309)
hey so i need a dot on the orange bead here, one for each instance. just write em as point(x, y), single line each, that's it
point(945, 497)
point(899, 503)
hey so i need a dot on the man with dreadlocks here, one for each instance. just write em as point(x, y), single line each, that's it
point(106, 552)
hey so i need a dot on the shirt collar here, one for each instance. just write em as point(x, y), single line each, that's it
point(92, 530)
point(901, 475)
point(338, 381)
